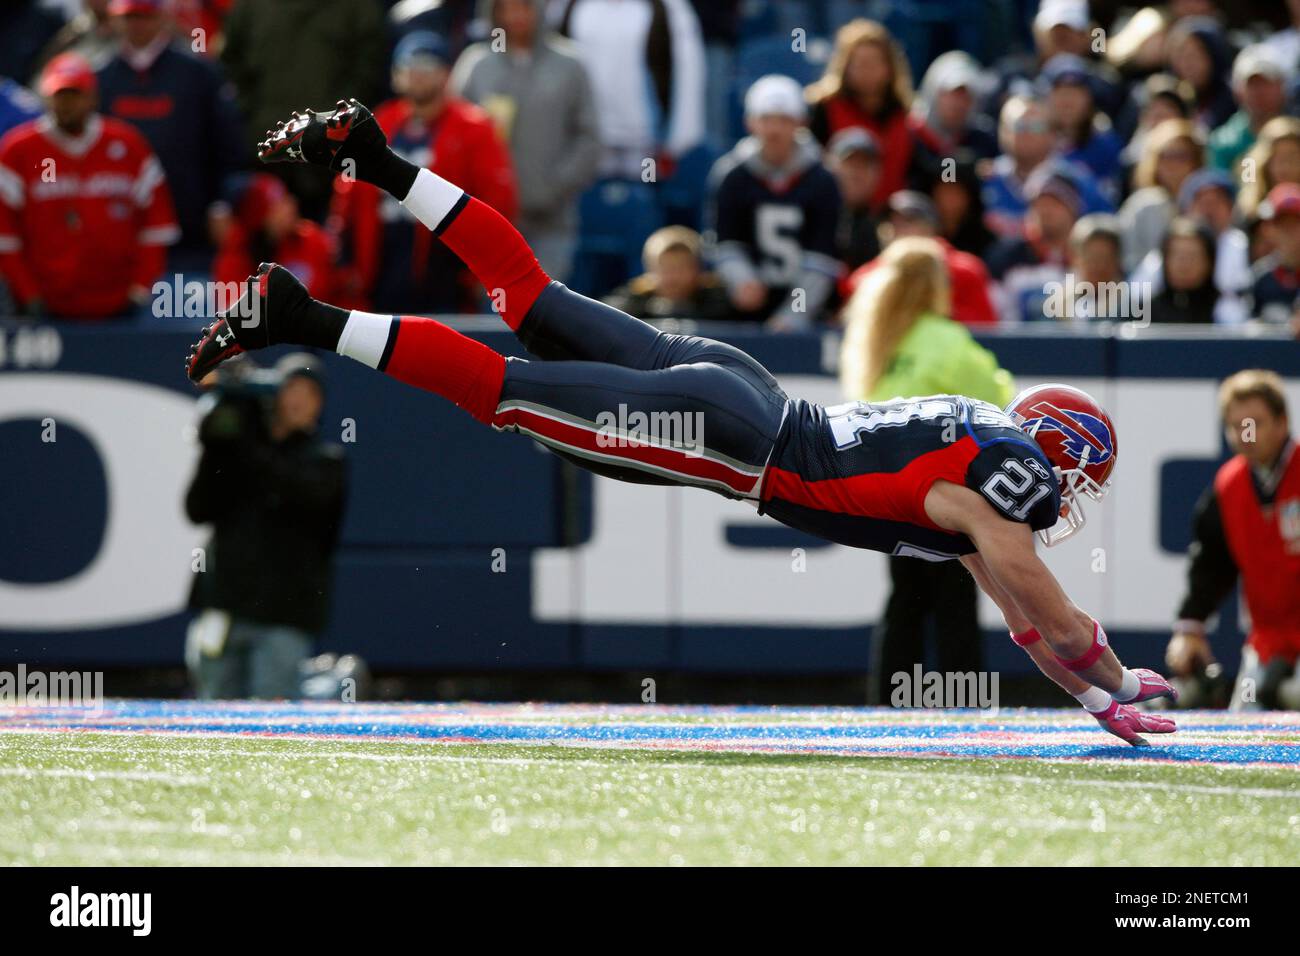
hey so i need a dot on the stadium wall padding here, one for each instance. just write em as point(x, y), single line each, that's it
point(95, 550)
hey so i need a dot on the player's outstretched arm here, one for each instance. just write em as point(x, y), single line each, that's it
point(1023, 631)
point(1123, 720)
point(1007, 547)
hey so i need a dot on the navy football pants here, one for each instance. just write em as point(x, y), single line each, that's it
point(625, 400)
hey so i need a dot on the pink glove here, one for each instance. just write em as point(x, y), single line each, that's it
point(1153, 685)
point(1125, 721)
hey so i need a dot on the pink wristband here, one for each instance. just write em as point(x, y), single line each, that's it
point(1090, 656)
point(1025, 638)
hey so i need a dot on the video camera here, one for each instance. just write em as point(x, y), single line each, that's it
point(242, 400)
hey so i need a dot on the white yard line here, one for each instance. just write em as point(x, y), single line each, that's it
point(300, 753)
point(157, 776)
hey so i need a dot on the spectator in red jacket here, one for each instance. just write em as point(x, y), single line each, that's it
point(396, 264)
point(914, 214)
point(85, 214)
point(869, 84)
point(267, 227)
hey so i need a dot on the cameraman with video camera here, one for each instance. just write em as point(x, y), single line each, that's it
point(274, 494)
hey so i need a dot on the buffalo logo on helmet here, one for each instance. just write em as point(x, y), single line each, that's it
point(1084, 437)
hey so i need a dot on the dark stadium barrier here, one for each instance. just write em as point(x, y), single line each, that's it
point(465, 551)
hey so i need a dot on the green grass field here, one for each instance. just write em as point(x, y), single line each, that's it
point(84, 797)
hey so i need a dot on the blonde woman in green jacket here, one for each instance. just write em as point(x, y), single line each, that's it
point(899, 342)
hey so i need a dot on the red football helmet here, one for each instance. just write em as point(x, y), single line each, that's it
point(1078, 438)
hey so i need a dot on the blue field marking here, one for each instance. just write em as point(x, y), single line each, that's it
point(1204, 737)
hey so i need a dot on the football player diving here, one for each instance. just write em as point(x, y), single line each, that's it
point(941, 477)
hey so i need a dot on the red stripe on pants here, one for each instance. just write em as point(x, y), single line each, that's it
point(583, 440)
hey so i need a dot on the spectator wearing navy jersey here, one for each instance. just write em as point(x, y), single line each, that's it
point(774, 213)
point(185, 109)
point(1277, 275)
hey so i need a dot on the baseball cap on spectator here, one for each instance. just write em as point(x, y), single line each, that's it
point(913, 205)
point(1282, 200)
point(304, 365)
point(421, 48)
point(1053, 180)
point(1062, 13)
point(1066, 68)
point(260, 193)
point(957, 72)
point(775, 95)
point(1208, 178)
point(852, 141)
point(67, 71)
point(121, 8)
point(1256, 60)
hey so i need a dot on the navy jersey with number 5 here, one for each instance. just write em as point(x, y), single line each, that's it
point(858, 474)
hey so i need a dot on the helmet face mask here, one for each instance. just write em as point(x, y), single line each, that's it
point(1077, 437)
point(1073, 481)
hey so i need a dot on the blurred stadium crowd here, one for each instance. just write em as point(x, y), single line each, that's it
point(705, 159)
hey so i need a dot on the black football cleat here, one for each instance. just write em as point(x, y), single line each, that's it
point(324, 139)
point(274, 295)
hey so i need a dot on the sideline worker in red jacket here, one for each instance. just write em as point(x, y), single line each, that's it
point(1247, 524)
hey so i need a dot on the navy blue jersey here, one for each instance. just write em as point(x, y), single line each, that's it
point(186, 110)
point(858, 474)
point(783, 227)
